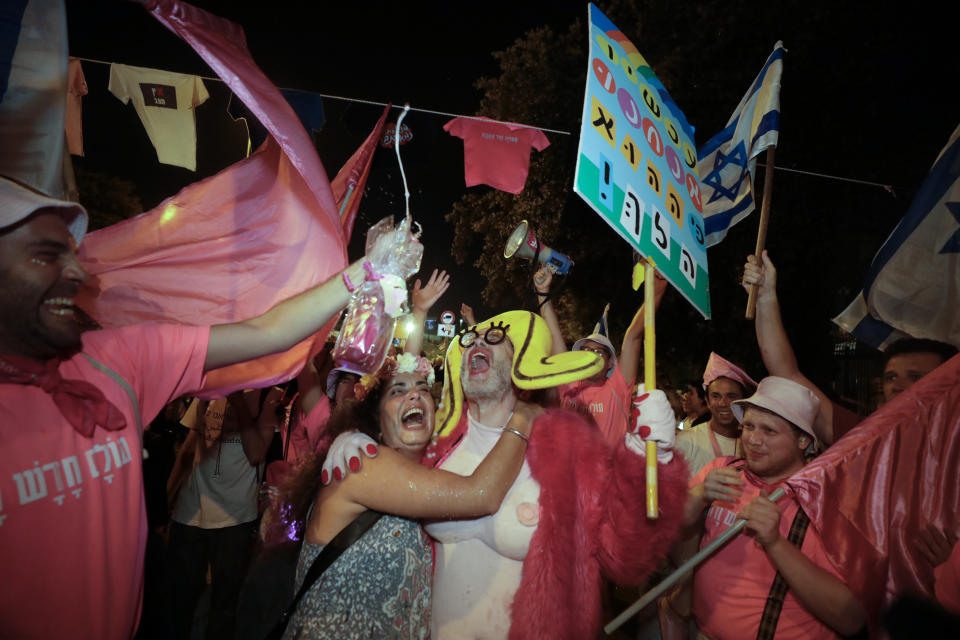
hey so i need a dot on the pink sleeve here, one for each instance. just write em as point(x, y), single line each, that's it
point(160, 362)
point(615, 426)
point(454, 127)
point(707, 468)
point(78, 84)
point(313, 424)
point(539, 140)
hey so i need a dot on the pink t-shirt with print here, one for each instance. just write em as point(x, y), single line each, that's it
point(496, 154)
point(730, 589)
point(608, 403)
point(73, 524)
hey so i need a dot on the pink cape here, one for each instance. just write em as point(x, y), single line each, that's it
point(871, 493)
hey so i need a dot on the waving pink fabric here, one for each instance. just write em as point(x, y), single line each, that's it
point(349, 183)
point(229, 247)
point(224, 249)
point(871, 493)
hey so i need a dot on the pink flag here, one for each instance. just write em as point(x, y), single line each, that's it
point(350, 181)
point(223, 249)
point(871, 493)
point(229, 247)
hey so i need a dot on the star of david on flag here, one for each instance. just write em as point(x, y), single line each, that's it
point(729, 158)
point(913, 284)
point(732, 168)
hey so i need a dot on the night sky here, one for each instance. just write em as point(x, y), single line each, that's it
point(372, 51)
point(884, 125)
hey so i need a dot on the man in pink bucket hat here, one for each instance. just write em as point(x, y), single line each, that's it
point(776, 578)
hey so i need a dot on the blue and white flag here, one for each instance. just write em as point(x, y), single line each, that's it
point(913, 284)
point(602, 325)
point(33, 92)
point(728, 160)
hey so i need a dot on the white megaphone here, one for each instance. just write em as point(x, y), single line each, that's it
point(524, 244)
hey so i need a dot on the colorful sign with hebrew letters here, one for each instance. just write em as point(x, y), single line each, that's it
point(637, 163)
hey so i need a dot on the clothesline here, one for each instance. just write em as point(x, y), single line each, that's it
point(886, 187)
point(370, 102)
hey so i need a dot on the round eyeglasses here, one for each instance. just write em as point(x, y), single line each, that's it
point(494, 335)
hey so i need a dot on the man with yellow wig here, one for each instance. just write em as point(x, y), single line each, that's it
point(575, 512)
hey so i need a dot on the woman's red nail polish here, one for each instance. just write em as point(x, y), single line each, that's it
point(324, 477)
point(372, 449)
point(337, 474)
point(354, 464)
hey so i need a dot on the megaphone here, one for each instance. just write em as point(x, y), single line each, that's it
point(523, 243)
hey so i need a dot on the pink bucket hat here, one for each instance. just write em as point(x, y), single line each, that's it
point(18, 202)
point(718, 367)
point(791, 401)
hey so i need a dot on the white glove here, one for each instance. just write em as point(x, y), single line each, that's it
point(652, 419)
point(345, 453)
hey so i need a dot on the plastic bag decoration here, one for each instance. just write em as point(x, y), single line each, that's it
point(393, 255)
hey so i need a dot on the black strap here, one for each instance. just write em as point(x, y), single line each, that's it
point(779, 588)
point(341, 542)
point(558, 283)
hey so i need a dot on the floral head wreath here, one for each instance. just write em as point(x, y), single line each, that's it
point(405, 363)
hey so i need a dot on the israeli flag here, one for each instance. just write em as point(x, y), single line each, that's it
point(913, 284)
point(601, 326)
point(728, 160)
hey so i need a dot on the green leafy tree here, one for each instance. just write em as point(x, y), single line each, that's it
point(107, 199)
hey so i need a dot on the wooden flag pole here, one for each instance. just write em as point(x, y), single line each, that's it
point(650, 381)
point(762, 231)
point(683, 571)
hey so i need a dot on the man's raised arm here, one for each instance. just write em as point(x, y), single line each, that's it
point(778, 355)
point(284, 325)
point(423, 299)
point(541, 284)
point(633, 338)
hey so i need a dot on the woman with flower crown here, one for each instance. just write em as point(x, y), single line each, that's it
point(380, 586)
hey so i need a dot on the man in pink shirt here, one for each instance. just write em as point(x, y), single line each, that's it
point(72, 409)
point(607, 397)
point(775, 580)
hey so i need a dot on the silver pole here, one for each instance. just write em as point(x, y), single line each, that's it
point(681, 571)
